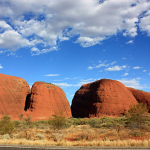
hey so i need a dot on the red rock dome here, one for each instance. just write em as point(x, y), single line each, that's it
point(45, 100)
point(141, 96)
point(13, 93)
point(102, 98)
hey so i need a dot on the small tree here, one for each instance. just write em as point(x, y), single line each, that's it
point(6, 125)
point(27, 120)
point(57, 121)
point(137, 113)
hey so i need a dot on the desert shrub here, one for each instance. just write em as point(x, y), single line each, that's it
point(75, 121)
point(95, 123)
point(105, 119)
point(5, 136)
point(79, 121)
point(45, 122)
point(27, 120)
point(69, 123)
point(137, 113)
point(136, 133)
point(40, 136)
point(57, 136)
point(48, 131)
point(24, 134)
point(107, 125)
point(57, 121)
point(17, 123)
point(6, 125)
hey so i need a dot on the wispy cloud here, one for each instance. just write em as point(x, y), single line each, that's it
point(116, 68)
point(51, 75)
point(101, 64)
point(144, 70)
point(90, 68)
point(113, 63)
point(134, 83)
point(1, 66)
point(130, 42)
point(124, 58)
point(125, 74)
point(137, 67)
point(63, 84)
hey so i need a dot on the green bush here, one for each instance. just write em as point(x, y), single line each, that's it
point(21, 117)
point(17, 123)
point(57, 121)
point(95, 123)
point(6, 125)
point(107, 125)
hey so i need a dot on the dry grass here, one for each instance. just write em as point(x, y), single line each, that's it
point(78, 135)
point(117, 143)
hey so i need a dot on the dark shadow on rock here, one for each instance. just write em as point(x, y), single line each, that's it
point(27, 102)
point(82, 104)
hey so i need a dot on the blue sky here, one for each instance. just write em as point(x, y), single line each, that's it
point(71, 43)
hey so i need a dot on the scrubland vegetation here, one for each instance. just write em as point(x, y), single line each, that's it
point(132, 129)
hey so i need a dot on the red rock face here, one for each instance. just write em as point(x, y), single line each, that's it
point(141, 96)
point(45, 100)
point(102, 98)
point(13, 93)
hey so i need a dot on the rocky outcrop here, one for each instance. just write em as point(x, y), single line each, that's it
point(141, 96)
point(45, 100)
point(13, 93)
point(102, 98)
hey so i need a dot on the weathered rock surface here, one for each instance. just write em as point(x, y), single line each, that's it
point(13, 93)
point(45, 100)
point(102, 98)
point(141, 96)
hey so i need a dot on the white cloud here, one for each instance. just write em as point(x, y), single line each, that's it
point(52, 75)
point(12, 40)
point(90, 68)
point(137, 67)
point(4, 26)
point(116, 68)
point(144, 70)
point(36, 51)
point(125, 74)
point(124, 58)
point(82, 82)
point(113, 62)
point(63, 84)
point(1, 66)
point(149, 73)
point(64, 19)
point(129, 42)
point(145, 24)
point(102, 64)
point(134, 83)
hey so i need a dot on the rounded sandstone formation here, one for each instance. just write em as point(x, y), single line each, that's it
point(102, 98)
point(13, 93)
point(45, 100)
point(141, 96)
